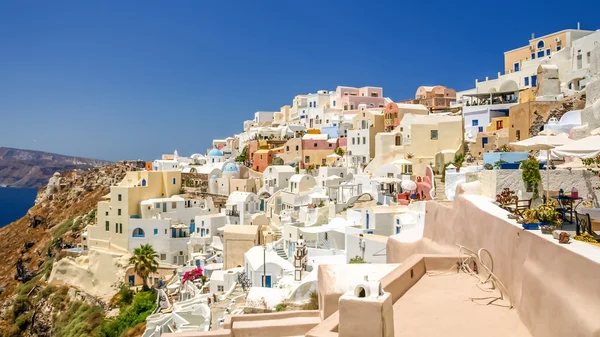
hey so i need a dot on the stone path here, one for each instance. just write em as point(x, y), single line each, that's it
point(440, 189)
point(218, 309)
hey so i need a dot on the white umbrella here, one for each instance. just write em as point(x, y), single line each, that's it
point(402, 162)
point(543, 142)
point(334, 177)
point(408, 185)
point(333, 155)
point(588, 147)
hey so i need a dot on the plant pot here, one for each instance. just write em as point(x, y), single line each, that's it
point(547, 229)
point(531, 226)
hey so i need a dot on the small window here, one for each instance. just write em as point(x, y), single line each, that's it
point(533, 56)
point(475, 122)
point(107, 213)
point(155, 231)
point(174, 205)
point(330, 145)
point(353, 141)
point(434, 134)
point(119, 198)
point(165, 232)
point(116, 228)
point(163, 257)
point(287, 148)
point(480, 129)
point(297, 147)
point(323, 161)
point(157, 205)
point(315, 145)
point(547, 51)
point(558, 48)
point(540, 54)
point(526, 81)
point(589, 57)
point(307, 159)
point(119, 211)
point(107, 226)
point(219, 288)
point(364, 140)
point(174, 181)
point(334, 103)
point(518, 134)
point(120, 228)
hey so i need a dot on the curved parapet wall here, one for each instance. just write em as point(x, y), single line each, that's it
point(551, 285)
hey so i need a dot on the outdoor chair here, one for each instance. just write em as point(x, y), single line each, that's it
point(521, 205)
point(584, 223)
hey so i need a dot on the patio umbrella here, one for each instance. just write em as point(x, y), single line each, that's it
point(408, 185)
point(335, 177)
point(333, 155)
point(588, 147)
point(547, 141)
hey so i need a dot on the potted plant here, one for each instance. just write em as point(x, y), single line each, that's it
point(530, 219)
point(531, 175)
point(549, 217)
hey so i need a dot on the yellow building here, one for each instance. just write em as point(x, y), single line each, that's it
point(498, 123)
point(431, 140)
point(541, 47)
point(123, 203)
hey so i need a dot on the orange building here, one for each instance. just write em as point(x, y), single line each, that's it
point(264, 157)
point(394, 112)
point(435, 98)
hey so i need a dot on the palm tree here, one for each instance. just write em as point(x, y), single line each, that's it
point(144, 262)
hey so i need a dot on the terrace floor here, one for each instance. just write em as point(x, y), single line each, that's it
point(442, 304)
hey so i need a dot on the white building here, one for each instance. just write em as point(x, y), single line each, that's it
point(240, 206)
point(215, 156)
point(166, 224)
point(276, 177)
point(165, 165)
point(221, 281)
point(255, 260)
point(478, 118)
point(297, 192)
point(263, 117)
point(376, 220)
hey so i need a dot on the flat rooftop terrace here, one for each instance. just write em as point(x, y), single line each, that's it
point(452, 304)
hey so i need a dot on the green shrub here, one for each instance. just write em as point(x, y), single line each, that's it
point(80, 320)
point(125, 296)
point(62, 229)
point(357, 259)
point(281, 307)
point(22, 322)
point(313, 304)
point(143, 305)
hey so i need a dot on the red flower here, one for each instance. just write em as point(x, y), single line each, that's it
point(192, 275)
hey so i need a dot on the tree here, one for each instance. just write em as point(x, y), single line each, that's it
point(356, 260)
point(144, 262)
point(243, 156)
point(339, 151)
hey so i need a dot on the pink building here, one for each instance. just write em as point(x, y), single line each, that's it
point(350, 99)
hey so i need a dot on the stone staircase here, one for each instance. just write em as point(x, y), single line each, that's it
point(440, 189)
point(281, 252)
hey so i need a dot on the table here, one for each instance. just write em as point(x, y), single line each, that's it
point(566, 202)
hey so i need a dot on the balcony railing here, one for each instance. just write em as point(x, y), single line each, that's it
point(232, 213)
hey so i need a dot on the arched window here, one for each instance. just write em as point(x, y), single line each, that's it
point(540, 44)
point(143, 182)
point(138, 233)
point(333, 103)
point(310, 104)
point(174, 181)
point(398, 140)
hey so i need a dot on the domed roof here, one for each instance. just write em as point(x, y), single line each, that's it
point(214, 176)
point(215, 153)
point(230, 168)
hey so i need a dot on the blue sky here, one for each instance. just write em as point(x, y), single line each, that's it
point(134, 79)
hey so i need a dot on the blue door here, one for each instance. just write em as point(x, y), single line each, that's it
point(192, 228)
point(534, 80)
point(268, 281)
point(262, 205)
point(367, 220)
point(398, 230)
point(173, 233)
point(484, 141)
point(131, 280)
point(164, 206)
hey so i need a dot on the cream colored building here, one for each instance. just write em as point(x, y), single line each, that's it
point(112, 230)
point(422, 139)
point(361, 139)
point(237, 240)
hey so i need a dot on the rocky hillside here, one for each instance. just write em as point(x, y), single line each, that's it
point(30, 245)
point(27, 168)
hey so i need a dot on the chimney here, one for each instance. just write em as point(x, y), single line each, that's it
point(532, 36)
point(578, 26)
